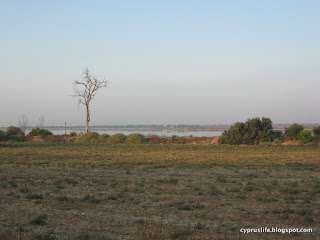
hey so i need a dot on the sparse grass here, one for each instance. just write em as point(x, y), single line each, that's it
point(181, 234)
point(107, 191)
point(45, 236)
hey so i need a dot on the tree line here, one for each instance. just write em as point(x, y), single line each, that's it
point(252, 132)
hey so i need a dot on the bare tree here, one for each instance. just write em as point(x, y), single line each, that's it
point(86, 90)
point(41, 121)
point(23, 123)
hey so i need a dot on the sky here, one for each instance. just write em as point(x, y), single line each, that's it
point(166, 62)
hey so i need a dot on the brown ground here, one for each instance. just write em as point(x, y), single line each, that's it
point(74, 191)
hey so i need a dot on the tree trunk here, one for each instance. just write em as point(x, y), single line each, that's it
point(87, 120)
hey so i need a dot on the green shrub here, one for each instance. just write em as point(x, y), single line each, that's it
point(316, 131)
point(118, 138)
point(104, 138)
point(3, 136)
point(253, 131)
point(135, 138)
point(305, 136)
point(89, 137)
point(73, 134)
point(12, 134)
point(177, 139)
point(293, 131)
point(40, 132)
point(274, 135)
point(15, 131)
point(17, 138)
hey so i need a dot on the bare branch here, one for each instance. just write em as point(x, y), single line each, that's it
point(41, 121)
point(23, 123)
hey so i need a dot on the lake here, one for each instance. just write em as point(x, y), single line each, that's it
point(166, 133)
point(144, 132)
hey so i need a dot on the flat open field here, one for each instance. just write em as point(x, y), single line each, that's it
point(100, 191)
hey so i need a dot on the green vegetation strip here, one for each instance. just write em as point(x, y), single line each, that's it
point(122, 155)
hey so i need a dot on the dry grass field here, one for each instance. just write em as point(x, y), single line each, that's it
point(101, 191)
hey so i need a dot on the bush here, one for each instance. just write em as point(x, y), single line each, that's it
point(73, 134)
point(17, 138)
point(104, 138)
point(12, 134)
point(305, 136)
point(154, 139)
point(293, 131)
point(253, 131)
point(274, 135)
point(89, 137)
point(3, 136)
point(15, 131)
point(40, 132)
point(177, 139)
point(117, 138)
point(316, 131)
point(135, 138)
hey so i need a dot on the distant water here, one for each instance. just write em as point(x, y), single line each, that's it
point(159, 133)
point(61, 131)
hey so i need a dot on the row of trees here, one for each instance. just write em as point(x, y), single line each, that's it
point(252, 132)
point(256, 130)
point(17, 135)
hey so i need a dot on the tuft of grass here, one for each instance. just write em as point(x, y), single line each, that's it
point(111, 197)
point(199, 206)
point(40, 220)
point(13, 184)
point(35, 196)
point(45, 236)
point(91, 199)
point(290, 190)
point(221, 179)
point(62, 198)
point(181, 234)
point(233, 189)
point(215, 191)
point(199, 226)
point(185, 207)
point(248, 189)
point(24, 190)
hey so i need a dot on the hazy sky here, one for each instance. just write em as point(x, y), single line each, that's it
point(193, 62)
